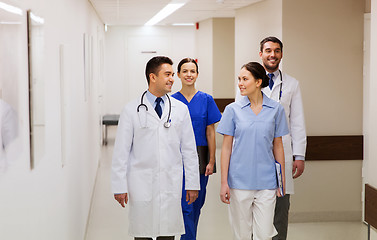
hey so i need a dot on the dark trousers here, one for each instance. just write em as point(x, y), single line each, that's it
point(281, 217)
point(158, 238)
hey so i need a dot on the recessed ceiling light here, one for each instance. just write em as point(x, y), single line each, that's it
point(163, 13)
point(10, 8)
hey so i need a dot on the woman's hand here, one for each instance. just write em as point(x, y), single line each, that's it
point(224, 193)
point(278, 193)
point(209, 169)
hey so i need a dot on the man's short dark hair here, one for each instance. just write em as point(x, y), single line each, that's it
point(154, 64)
point(271, 39)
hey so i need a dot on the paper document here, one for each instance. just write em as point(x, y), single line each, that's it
point(279, 177)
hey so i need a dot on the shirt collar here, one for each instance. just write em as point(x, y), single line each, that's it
point(276, 74)
point(245, 102)
point(152, 98)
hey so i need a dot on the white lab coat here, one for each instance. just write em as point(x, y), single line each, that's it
point(147, 164)
point(295, 142)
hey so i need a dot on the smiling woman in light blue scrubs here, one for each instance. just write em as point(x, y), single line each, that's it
point(253, 128)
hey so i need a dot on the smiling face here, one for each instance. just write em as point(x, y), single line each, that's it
point(271, 56)
point(162, 83)
point(247, 83)
point(188, 74)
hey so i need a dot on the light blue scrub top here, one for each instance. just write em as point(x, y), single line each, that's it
point(252, 163)
point(203, 112)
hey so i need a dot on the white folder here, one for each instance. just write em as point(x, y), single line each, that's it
point(279, 178)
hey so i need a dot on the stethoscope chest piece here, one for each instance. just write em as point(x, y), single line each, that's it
point(167, 124)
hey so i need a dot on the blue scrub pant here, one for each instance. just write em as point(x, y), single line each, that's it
point(191, 212)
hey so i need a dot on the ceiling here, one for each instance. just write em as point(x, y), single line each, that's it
point(138, 12)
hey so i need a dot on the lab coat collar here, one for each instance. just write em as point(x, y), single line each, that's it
point(245, 102)
point(150, 103)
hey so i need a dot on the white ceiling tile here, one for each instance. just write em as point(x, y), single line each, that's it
point(138, 12)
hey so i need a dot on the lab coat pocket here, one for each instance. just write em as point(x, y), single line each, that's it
point(140, 185)
point(174, 132)
point(171, 180)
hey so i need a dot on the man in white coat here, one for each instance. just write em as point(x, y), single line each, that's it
point(154, 143)
point(286, 90)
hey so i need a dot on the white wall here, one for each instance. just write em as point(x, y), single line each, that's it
point(54, 195)
point(204, 52)
point(223, 58)
point(250, 29)
point(252, 24)
point(324, 51)
point(121, 81)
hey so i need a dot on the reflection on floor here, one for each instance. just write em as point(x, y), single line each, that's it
point(109, 221)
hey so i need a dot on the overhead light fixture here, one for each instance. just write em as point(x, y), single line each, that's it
point(183, 24)
point(10, 8)
point(163, 13)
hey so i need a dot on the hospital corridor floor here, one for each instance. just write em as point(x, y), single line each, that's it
point(108, 220)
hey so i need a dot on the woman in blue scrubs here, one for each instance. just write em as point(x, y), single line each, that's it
point(204, 114)
point(253, 128)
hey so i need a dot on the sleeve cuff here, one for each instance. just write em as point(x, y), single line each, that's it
point(299, 157)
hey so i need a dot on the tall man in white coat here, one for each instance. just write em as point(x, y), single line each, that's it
point(154, 143)
point(286, 90)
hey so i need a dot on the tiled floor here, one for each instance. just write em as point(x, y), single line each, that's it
point(109, 221)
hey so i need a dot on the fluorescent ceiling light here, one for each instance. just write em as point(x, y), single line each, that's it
point(166, 11)
point(183, 24)
point(10, 8)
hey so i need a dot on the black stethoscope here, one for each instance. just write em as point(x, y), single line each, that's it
point(281, 85)
point(167, 124)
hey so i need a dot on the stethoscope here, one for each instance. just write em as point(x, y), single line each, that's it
point(167, 124)
point(281, 85)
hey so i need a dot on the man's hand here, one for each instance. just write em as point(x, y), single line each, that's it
point(298, 168)
point(122, 199)
point(191, 196)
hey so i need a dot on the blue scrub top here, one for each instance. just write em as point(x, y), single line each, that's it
point(203, 112)
point(252, 163)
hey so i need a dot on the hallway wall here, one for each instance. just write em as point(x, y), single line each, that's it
point(52, 201)
point(223, 57)
point(370, 165)
point(323, 49)
point(121, 81)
